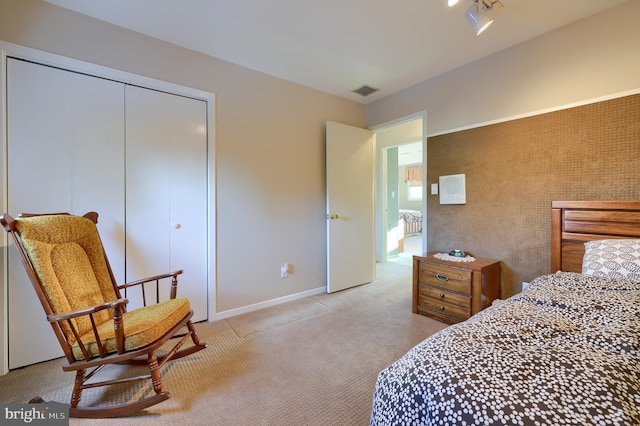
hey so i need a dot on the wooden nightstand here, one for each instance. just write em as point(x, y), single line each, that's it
point(453, 291)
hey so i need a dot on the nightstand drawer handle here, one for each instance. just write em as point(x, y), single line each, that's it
point(441, 277)
point(442, 308)
point(441, 295)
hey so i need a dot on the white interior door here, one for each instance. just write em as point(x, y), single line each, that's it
point(166, 192)
point(350, 168)
point(65, 153)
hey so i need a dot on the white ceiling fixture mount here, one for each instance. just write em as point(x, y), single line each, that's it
point(481, 14)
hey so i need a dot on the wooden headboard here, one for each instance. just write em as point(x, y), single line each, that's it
point(575, 222)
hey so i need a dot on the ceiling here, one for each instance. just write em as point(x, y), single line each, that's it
point(337, 46)
point(410, 153)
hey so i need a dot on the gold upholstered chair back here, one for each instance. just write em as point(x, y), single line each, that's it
point(68, 259)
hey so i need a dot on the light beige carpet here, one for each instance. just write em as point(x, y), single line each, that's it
point(309, 362)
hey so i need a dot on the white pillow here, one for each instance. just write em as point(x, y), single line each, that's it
point(612, 258)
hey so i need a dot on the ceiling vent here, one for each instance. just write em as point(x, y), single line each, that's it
point(365, 90)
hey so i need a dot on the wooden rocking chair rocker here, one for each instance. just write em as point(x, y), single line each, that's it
point(66, 262)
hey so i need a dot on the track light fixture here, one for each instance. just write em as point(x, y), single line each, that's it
point(480, 15)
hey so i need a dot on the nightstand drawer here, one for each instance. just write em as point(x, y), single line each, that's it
point(440, 315)
point(446, 307)
point(440, 295)
point(446, 277)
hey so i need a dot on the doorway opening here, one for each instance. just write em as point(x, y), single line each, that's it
point(401, 189)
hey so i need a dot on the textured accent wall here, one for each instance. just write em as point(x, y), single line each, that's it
point(515, 169)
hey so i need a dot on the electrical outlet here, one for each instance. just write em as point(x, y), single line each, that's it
point(284, 270)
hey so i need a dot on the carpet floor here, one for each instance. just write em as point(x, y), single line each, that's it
point(312, 361)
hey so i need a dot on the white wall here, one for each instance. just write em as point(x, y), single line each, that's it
point(269, 147)
point(592, 58)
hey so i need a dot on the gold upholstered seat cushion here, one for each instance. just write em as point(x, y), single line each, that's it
point(142, 327)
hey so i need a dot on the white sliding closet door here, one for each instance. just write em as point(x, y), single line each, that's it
point(166, 192)
point(65, 153)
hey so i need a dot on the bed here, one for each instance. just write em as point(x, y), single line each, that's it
point(412, 221)
point(564, 351)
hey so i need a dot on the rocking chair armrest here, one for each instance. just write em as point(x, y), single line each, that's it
point(156, 278)
point(149, 279)
point(119, 305)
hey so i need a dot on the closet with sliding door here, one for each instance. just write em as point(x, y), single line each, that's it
point(77, 142)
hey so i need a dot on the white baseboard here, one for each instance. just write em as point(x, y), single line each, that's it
point(268, 303)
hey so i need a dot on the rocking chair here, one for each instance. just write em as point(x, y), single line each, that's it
point(67, 265)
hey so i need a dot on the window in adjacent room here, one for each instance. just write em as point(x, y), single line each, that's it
point(415, 191)
point(413, 178)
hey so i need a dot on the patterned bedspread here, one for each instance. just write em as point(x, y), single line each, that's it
point(412, 220)
point(410, 215)
point(564, 351)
